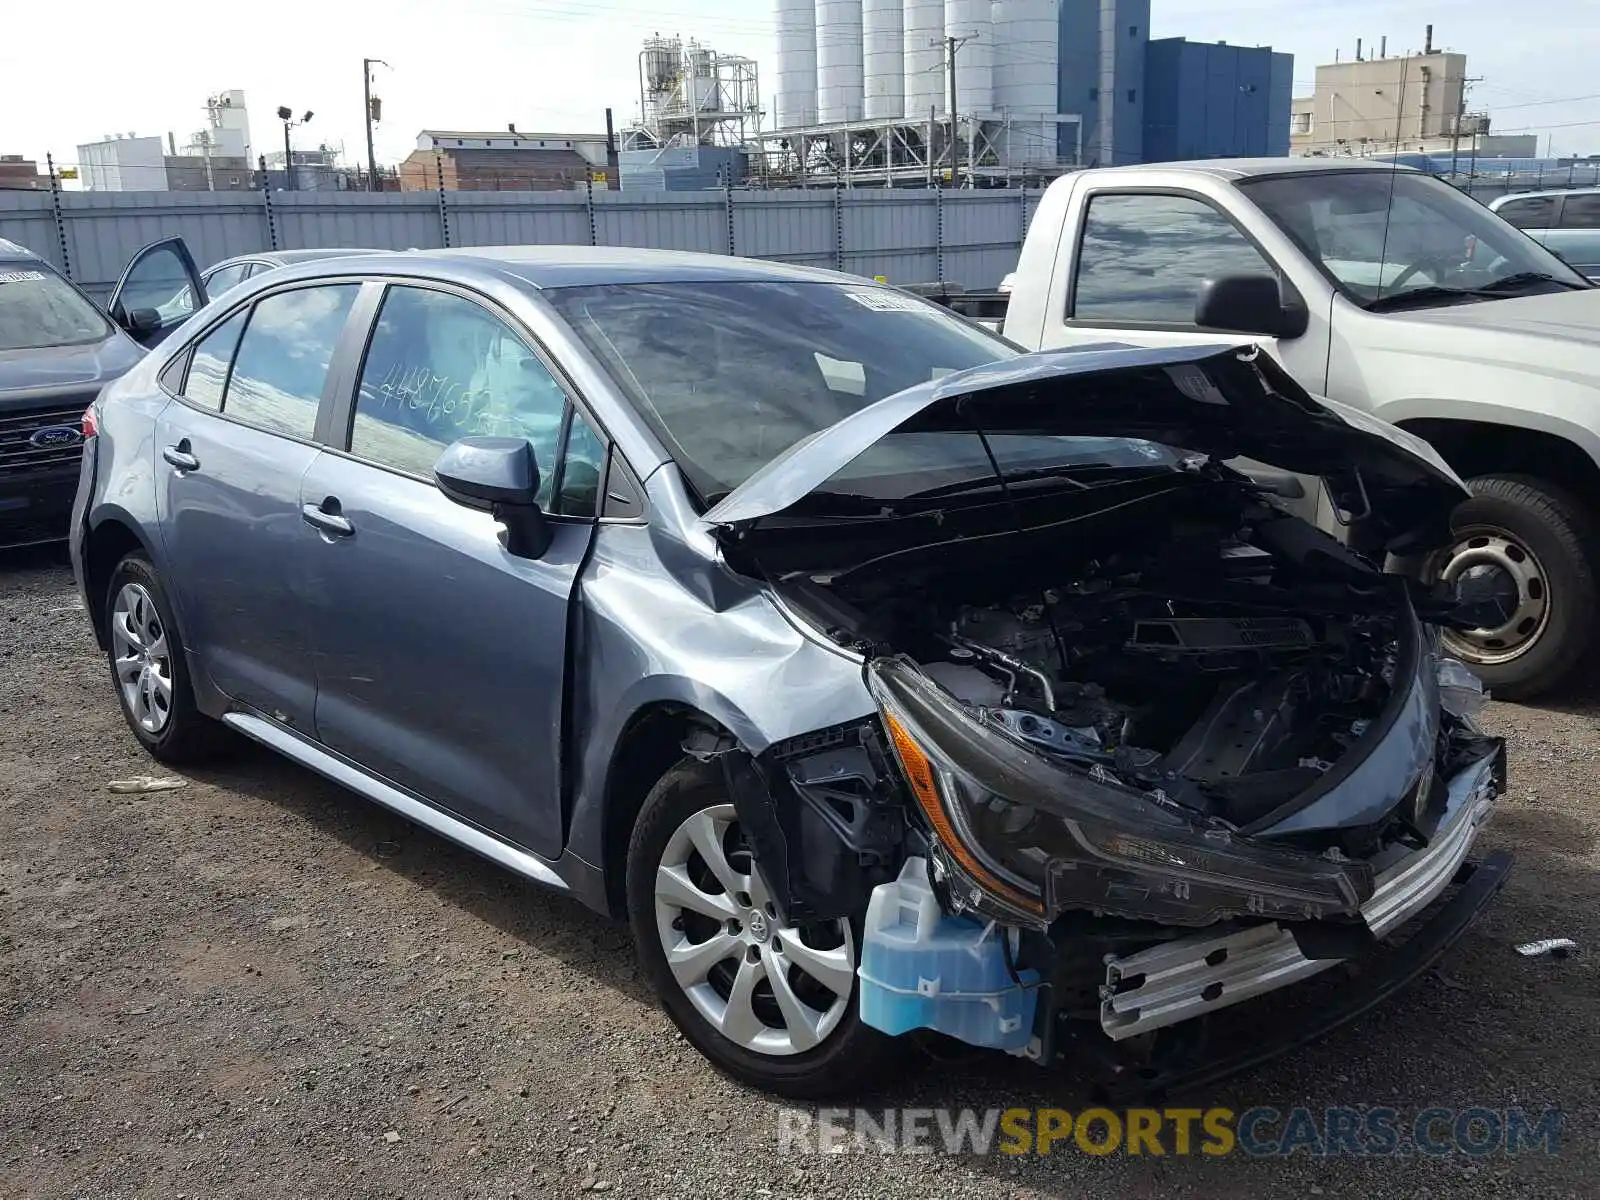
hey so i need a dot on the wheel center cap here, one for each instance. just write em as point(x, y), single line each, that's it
point(758, 925)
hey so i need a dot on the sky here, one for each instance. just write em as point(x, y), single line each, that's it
point(75, 72)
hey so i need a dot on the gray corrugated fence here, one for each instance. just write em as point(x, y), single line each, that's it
point(908, 236)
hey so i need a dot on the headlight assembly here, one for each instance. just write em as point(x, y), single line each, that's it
point(1036, 838)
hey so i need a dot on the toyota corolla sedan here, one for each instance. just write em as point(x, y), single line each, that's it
point(885, 679)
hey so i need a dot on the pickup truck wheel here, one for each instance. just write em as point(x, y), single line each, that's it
point(1534, 545)
point(773, 1006)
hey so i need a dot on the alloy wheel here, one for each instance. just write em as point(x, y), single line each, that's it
point(769, 988)
point(1518, 581)
point(143, 661)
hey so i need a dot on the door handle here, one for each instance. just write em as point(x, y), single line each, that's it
point(180, 457)
point(318, 517)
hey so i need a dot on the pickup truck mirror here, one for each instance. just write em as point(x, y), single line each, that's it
point(1249, 304)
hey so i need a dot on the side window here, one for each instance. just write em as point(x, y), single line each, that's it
point(224, 278)
point(283, 358)
point(1143, 258)
point(1530, 212)
point(1581, 211)
point(208, 364)
point(160, 281)
point(583, 468)
point(441, 367)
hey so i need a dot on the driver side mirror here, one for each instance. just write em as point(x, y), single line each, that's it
point(138, 322)
point(1249, 304)
point(497, 475)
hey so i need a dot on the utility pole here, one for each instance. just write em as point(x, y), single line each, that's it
point(1455, 136)
point(951, 45)
point(372, 109)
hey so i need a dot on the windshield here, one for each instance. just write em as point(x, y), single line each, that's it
point(1381, 235)
point(39, 309)
point(730, 375)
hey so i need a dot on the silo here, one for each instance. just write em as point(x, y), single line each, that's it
point(839, 68)
point(796, 97)
point(924, 54)
point(971, 23)
point(884, 40)
point(1026, 76)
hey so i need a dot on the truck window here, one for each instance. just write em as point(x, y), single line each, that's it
point(1144, 257)
point(1530, 212)
point(1582, 211)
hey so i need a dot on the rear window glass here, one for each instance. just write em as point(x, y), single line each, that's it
point(40, 309)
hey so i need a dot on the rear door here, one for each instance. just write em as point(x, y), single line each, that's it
point(159, 290)
point(231, 454)
point(441, 656)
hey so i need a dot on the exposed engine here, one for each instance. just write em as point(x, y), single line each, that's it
point(1220, 704)
point(1226, 666)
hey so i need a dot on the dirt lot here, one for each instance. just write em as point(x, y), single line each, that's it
point(260, 986)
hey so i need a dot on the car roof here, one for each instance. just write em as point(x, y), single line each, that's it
point(13, 250)
point(1255, 168)
point(286, 258)
point(1542, 193)
point(581, 266)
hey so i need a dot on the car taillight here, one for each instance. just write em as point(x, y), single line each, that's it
point(91, 422)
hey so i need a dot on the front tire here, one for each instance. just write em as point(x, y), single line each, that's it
point(150, 668)
point(1536, 543)
point(774, 1007)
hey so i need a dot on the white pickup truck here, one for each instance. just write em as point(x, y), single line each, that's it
point(1387, 290)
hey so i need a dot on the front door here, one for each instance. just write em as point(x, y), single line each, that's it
point(159, 290)
point(441, 657)
point(1141, 260)
point(230, 457)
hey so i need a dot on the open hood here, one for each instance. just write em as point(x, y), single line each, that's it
point(1228, 402)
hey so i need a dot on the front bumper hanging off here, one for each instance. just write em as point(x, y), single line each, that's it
point(1196, 975)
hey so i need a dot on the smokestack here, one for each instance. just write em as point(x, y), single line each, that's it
point(1427, 41)
point(1358, 49)
point(1383, 46)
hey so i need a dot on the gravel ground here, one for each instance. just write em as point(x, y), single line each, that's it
point(261, 986)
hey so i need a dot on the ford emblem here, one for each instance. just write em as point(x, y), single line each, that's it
point(51, 436)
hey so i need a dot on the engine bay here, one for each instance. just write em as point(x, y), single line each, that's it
point(1225, 664)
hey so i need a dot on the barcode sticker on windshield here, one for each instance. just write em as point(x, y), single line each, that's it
point(19, 276)
point(887, 301)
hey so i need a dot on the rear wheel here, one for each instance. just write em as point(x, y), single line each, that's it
point(149, 667)
point(1532, 545)
point(772, 1005)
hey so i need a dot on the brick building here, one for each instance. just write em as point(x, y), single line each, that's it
point(507, 161)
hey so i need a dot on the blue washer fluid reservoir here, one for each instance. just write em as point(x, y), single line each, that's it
point(922, 969)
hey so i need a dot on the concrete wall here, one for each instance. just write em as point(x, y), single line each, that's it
point(908, 236)
point(1215, 101)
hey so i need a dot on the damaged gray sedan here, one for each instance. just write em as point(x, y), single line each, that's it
point(886, 679)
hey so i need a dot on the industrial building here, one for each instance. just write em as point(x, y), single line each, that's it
point(1205, 100)
point(987, 92)
point(214, 158)
point(1382, 103)
point(509, 161)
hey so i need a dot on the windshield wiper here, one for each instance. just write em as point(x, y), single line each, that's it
point(1066, 474)
point(1421, 295)
point(1523, 279)
point(1494, 289)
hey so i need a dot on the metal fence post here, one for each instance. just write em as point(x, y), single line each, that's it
point(1022, 232)
point(727, 211)
point(444, 208)
point(938, 227)
point(266, 201)
point(588, 204)
point(61, 223)
point(838, 226)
